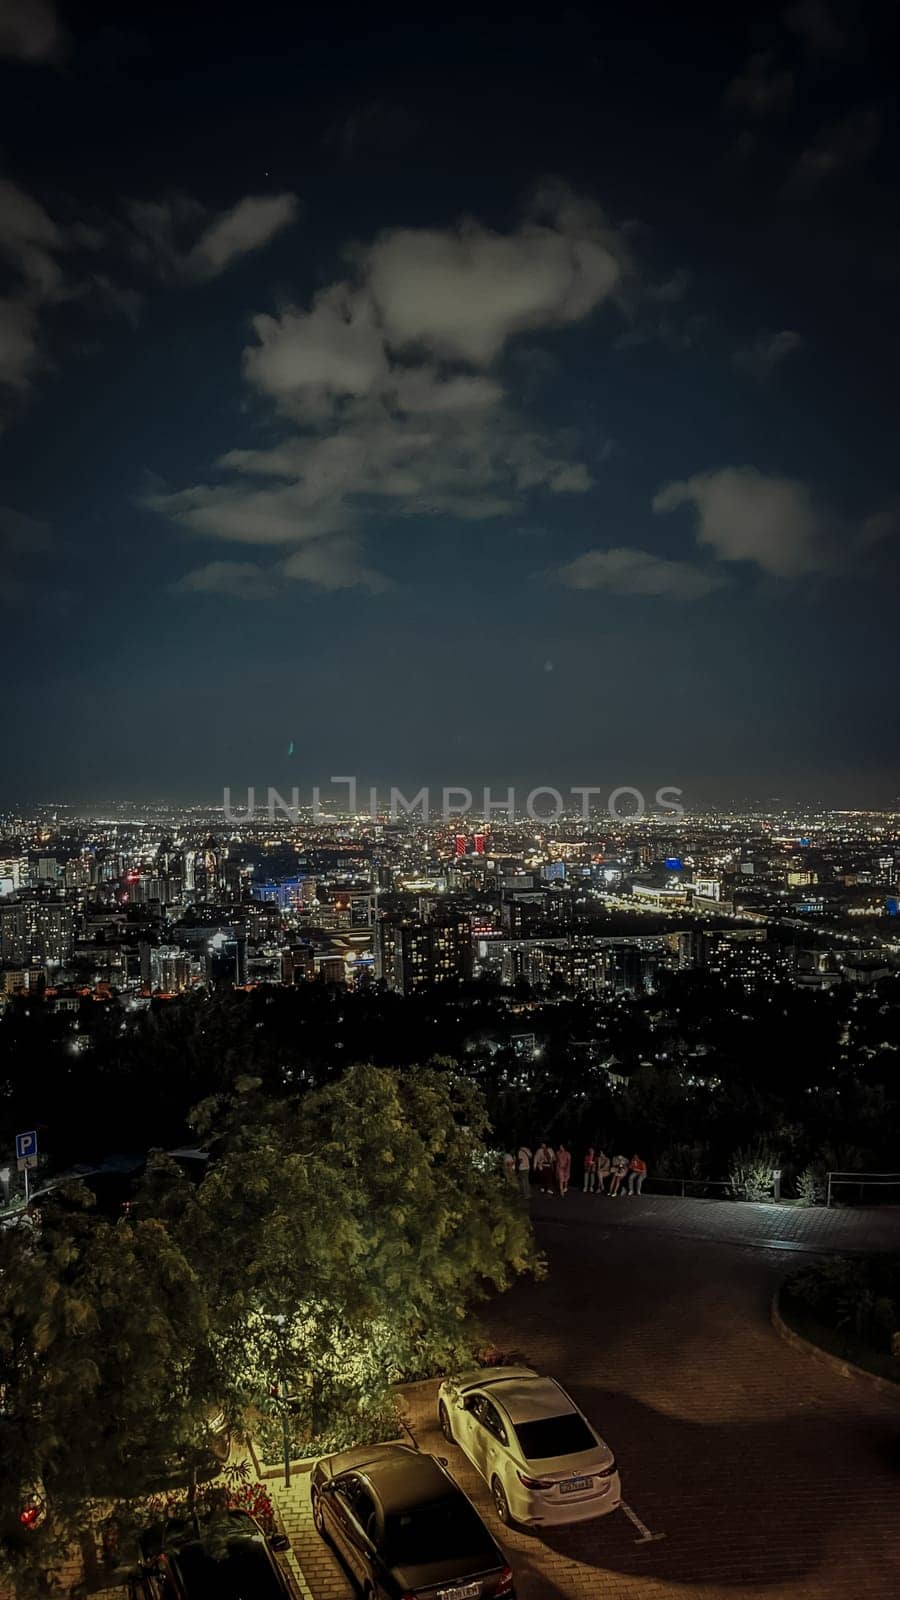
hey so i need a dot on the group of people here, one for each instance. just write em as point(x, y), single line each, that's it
point(549, 1171)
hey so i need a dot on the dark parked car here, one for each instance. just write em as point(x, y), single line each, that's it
point(404, 1528)
point(225, 1556)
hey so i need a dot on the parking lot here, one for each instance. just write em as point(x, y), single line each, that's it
point(767, 1474)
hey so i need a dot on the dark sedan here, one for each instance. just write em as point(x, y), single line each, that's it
point(404, 1529)
point(225, 1556)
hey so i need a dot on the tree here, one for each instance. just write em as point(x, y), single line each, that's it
point(345, 1235)
point(105, 1369)
point(337, 1242)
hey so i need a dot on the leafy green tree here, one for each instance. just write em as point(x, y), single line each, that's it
point(105, 1370)
point(344, 1236)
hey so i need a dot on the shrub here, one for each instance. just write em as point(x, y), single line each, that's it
point(684, 1160)
point(858, 1295)
point(811, 1186)
point(750, 1172)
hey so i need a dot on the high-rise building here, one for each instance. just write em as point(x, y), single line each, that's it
point(226, 958)
point(53, 937)
point(13, 873)
point(415, 955)
point(629, 969)
point(13, 933)
point(171, 969)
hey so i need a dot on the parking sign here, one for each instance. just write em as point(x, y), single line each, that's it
point(26, 1149)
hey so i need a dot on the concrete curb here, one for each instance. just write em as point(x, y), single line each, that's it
point(824, 1358)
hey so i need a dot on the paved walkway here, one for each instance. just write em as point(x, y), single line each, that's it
point(769, 1475)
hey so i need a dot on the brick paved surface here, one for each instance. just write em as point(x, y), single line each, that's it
point(770, 1476)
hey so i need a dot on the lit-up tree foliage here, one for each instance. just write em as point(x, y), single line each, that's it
point(336, 1243)
point(344, 1236)
point(105, 1372)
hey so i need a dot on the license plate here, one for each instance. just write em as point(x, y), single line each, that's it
point(574, 1484)
point(465, 1591)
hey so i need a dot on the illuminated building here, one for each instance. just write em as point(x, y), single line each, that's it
point(168, 969)
point(13, 933)
point(226, 958)
point(53, 933)
point(13, 874)
point(415, 955)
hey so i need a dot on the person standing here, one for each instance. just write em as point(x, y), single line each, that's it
point(637, 1172)
point(603, 1170)
point(590, 1170)
point(563, 1170)
point(509, 1166)
point(619, 1174)
point(543, 1166)
point(523, 1163)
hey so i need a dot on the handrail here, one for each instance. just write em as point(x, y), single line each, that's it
point(694, 1183)
point(870, 1180)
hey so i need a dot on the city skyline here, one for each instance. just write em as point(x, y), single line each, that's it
point(342, 432)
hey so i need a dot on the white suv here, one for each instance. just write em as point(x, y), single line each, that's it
point(540, 1457)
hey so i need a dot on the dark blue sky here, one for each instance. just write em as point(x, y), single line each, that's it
point(553, 362)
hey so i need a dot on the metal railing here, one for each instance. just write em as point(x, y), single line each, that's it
point(699, 1187)
point(860, 1180)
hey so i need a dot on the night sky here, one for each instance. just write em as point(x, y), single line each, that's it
point(465, 398)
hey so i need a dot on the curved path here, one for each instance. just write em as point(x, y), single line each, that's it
point(770, 1476)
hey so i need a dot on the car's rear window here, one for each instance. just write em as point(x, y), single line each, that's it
point(436, 1531)
point(230, 1572)
point(555, 1436)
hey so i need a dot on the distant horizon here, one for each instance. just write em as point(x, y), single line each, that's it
point(760, 804)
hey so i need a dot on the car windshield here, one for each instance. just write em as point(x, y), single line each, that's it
point(235, 1571)
point(436, 1531)
point(555, 1436)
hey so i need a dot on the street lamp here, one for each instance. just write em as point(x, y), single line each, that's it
point(279, 1323)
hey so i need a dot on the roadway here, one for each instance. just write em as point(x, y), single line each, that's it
point(768, 1474)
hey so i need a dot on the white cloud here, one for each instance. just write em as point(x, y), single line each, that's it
point(250, 225)
point(744, 515)
point(21, 535)
point(381, 388)
point(334, 564)
point(30, 243)
point(817, 27)
point(328, 564)
point(240, 514)
point(178, 238)
point(18, 343)
point(239, 580)
point(763, 87)
point(765, 353)
point(29, 240)
point(175, 238)
point(840, 146)
point(331, 352)
point(625, 570)
point(463, 293)
point(30, 30)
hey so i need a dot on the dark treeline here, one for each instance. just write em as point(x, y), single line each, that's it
point(689, 1075)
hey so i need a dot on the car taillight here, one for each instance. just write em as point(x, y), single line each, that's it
point(505, 1585)
point(606, 1472)
point(535, 1483)
point(29, 1516)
